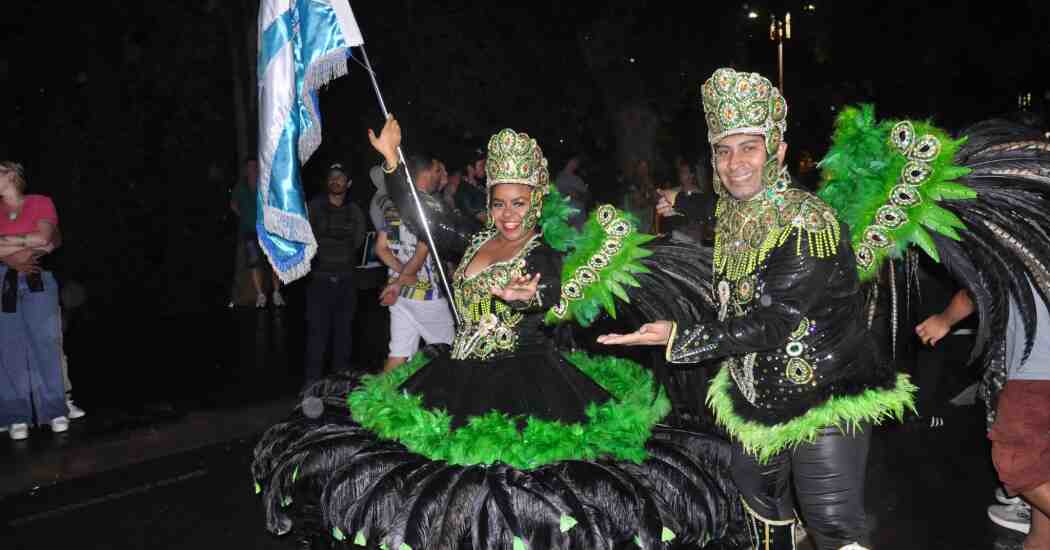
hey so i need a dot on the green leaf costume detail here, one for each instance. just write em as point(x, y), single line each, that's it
point(603, 262)
point(884, 181)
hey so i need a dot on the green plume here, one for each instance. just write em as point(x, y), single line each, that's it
point(863, 166)
point(616, 429)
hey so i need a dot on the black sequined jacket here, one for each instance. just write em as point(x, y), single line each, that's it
point(793, 333)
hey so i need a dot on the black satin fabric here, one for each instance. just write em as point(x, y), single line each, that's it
point(540, 384)
point(826, 477)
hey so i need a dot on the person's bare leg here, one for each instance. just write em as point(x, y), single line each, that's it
point(257, 281)
point(393, 363)
point(278, 298)
point(1039, 535)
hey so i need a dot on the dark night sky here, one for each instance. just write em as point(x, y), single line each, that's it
point(126, 108)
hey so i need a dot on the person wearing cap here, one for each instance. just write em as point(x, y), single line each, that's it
point(800, 383)
point(331, 293)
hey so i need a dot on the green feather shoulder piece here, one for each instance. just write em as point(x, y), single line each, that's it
point(603, 263)
point(884, 180)
point(554, 221)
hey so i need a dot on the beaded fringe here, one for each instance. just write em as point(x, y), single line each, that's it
point(821, 243)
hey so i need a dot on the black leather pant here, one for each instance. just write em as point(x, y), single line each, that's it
point(826, 476)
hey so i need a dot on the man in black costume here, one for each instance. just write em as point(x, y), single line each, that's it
point(799, 387)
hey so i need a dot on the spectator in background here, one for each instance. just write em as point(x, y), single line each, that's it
point(571, 185)
point(30, 318)
point(471, 196)
point(418, 307)
point(641, 195)
point(245, 203)
point(679, 225)
point(448, 194)
point(331, 293)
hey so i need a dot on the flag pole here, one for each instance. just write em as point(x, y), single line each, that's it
point(415, 196)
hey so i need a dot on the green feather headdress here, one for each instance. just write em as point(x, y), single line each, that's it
point(884, 181)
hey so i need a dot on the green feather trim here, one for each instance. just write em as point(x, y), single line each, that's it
point(554, 221)
point(612, 279)
point(616, 429)
point(862, 168)
point(846, 413)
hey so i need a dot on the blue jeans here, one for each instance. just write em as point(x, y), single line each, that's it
point(31, 356)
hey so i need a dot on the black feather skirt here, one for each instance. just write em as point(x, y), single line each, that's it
point(331, 476)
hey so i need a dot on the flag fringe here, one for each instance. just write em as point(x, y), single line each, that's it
point(323, 70)
point(288, 225)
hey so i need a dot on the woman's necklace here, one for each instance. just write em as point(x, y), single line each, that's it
point(13, 213)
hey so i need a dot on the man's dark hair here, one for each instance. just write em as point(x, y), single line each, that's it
point(419, 163)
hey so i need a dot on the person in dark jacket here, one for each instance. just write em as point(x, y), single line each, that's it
point(331, 294)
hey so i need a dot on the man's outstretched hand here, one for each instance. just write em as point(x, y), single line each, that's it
point(656, 333)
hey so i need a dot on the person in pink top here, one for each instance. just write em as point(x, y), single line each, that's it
point(30, 322)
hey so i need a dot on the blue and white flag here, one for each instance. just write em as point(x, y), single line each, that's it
point(303, 45)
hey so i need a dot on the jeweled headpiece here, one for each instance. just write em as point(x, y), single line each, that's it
point(516, 158)
point(744, 103)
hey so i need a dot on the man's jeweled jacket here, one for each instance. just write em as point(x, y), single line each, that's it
point(791, 330)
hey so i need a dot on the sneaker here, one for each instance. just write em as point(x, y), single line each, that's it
point(278, 300)
point(260, 301)
point(19, 431)
point(75, 412)
point(1003, 498)
point(60, 424)
point(1017, 517)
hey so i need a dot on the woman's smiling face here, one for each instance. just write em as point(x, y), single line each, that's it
point(509, 205)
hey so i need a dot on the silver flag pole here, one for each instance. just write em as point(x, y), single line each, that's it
point(415, 197)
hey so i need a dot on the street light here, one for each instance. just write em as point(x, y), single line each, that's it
point(779, 31)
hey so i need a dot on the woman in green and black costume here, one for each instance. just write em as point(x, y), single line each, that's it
point(503, 441)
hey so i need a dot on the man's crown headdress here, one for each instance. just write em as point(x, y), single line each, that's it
point(744, 103)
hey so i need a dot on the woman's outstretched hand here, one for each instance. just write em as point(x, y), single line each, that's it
point(388, 141)
point(518, 289)
point(656, 333)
